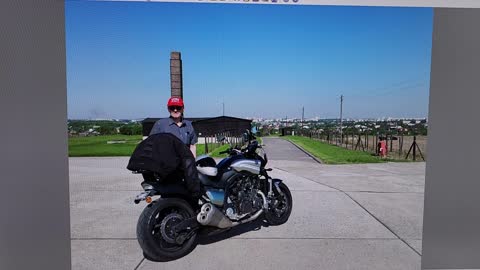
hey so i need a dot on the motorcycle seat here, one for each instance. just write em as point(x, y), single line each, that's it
point(208, 171)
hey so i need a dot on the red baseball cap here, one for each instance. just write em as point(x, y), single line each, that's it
point(175, 101)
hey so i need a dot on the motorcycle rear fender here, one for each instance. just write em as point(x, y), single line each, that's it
point(169, 190)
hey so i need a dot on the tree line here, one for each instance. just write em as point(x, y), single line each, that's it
point(104, 127)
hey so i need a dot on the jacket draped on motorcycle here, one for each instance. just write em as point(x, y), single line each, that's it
point(168, 157)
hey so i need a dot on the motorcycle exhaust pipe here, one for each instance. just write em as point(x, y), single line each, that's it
point(259, 212)
point(210, 215)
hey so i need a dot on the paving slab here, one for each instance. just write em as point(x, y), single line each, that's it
point(105, 254)
point(95, 173)
point(104, 214)
point(401, 212)
point(362, 178)
point(416, 244)
point(296, 164)
point(324, 215)
point(288, 254)
point(278, 149)
point(295, 182)
point(100, 214)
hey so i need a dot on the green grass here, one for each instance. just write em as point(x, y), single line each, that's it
point(96, 146)
point(216, 152)
point(259, 140)
point(332, 154)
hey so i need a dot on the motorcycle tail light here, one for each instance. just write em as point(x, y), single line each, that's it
point(148, 199)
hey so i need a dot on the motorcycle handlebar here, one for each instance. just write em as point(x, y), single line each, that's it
point(233, 150)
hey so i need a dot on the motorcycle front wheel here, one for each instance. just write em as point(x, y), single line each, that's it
point(280, 207)
point(155, 234)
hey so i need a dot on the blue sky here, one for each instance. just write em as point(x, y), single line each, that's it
point(261, 60)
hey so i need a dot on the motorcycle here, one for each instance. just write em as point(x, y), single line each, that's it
point(237, 190)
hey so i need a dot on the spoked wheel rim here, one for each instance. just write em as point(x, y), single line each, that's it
point(280, 205)
point(162, 230)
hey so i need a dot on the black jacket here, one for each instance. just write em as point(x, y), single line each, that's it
point(167, 156)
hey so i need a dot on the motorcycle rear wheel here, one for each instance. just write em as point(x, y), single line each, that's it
point(153, 232)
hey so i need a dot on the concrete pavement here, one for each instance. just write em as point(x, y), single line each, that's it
point(344, 217)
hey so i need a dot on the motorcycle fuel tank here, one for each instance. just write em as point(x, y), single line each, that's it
point(247, 165)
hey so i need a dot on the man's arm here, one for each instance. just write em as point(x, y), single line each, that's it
point(193, 141)
point(193, 148)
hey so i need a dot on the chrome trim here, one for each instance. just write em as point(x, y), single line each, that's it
point(249, 165)
point(278, 188)
point(146, 186)
point(210, 216)
point(265, 203)
point(142, 196)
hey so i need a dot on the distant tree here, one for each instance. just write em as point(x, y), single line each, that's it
point(126, 130)
point(137, 130)
point(131, 129)
point(106, 130)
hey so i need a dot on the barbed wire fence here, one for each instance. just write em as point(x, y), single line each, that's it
point(398, 144)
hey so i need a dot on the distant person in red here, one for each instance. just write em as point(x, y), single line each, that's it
point(176, 125)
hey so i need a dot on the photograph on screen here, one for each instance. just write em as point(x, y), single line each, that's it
point(269, 136)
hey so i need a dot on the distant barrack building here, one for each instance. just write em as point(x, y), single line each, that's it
point(209, 126)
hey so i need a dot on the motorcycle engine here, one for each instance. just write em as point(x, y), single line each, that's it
point(243, 199)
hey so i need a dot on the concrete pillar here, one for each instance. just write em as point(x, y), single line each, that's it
point(34, 186)
point(451, 224)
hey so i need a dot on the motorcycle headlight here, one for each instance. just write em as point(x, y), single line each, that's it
point(146, 186)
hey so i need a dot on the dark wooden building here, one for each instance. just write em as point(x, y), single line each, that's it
point(285, 131)
point(209, 126)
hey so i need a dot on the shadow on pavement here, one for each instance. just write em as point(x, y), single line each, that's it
point(213, 235)
point(219, 235)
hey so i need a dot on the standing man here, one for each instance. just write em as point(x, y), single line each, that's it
point(176, 125)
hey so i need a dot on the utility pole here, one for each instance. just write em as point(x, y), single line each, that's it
point(223, 105)
point(341, 119)
point(303, 115)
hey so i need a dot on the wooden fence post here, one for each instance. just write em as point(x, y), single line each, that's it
point(366, 141)
point(400, 151)
point(206, 144)
point(353, 139)
point(391, 143)
point(414, 148)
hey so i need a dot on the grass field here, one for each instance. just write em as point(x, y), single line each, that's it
point(259, 140)
point(331, 154)
point(97, 146)
point(215, 152)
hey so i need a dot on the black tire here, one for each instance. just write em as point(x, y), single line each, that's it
point(154, 246)
point(271, 215)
